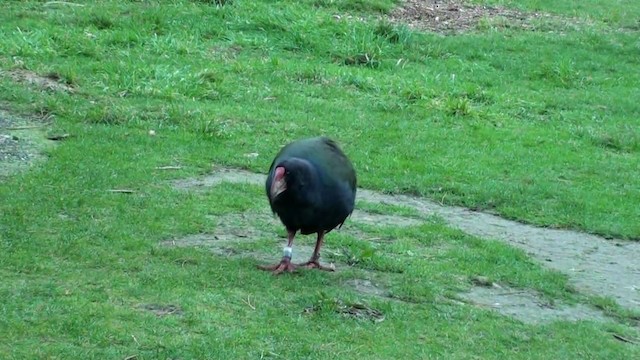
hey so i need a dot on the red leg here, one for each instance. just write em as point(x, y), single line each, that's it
point(285, 264)
point(313, 263)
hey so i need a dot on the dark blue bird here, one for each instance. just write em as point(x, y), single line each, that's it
point(312, 187)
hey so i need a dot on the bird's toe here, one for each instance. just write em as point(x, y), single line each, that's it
point(314, 264)
point(283, 266)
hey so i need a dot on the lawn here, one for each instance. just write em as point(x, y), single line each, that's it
point(537, 123)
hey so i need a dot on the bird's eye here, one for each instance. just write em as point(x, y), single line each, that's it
point(287, 172)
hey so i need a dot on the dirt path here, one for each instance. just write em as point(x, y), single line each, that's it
point(595, 265)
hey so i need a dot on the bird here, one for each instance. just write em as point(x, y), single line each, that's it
point(311, 186)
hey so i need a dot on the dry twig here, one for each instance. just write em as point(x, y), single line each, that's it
point(624, 339)
point(25, 127)
point(248, 302)
point(62, 3)
point(122, 191)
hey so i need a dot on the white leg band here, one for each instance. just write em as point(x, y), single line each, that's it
point(288, 252)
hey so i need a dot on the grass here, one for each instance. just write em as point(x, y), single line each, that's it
point(539, 126)
point(619, 13)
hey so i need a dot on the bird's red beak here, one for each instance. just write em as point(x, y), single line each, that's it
point(278, 185)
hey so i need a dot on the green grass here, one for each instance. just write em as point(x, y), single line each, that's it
point(538, 126)
point(380, 208)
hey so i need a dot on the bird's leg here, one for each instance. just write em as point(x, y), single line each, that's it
point(285, 264)
point(313, 263)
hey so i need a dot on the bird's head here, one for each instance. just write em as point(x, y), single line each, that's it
point(293, 174)
point(279, 184)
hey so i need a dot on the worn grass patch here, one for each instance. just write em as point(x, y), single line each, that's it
point(595, 265)
point(23, 142)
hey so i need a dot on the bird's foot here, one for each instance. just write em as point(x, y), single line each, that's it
point(314, 264)
point(283, 266)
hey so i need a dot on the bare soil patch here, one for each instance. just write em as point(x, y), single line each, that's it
point(230, 233)
point(595, 265)
point(13, 149)
point(383, 220)
point(162, 310)
point(528, 306)
point(230, 245)
point(218, 176)
point(356, 310)
point(233, 233)
point(49, 82)
point(367, 287)
point(20, 143)
point(454, 16)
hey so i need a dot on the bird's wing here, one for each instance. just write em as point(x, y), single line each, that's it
point(337, 163)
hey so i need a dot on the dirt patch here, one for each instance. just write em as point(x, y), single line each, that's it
point(528, 306)
point(383, 220)
point(230, 245)
point(454, 16)
point(595, 265)
point(241, 235)
point(356, 310)
point(12, 149)
point(20, 143)
point(234, 235)
point(366, 287)
point(361, 311)
point(220, 175)
point(49, 82)
point(162, 310)
point(248, 226)
point(231, 231)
